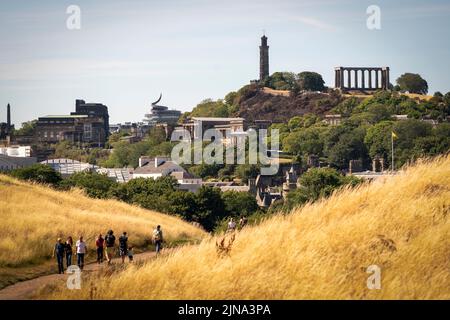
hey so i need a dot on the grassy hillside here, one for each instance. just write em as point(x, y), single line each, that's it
point(33, 217)
point(319, 251)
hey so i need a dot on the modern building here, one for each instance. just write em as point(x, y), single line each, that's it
point(161, 114)
point(67, 167)
point(88, 124)
point(94, 110)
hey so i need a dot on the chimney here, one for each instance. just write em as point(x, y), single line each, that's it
point(8, 117)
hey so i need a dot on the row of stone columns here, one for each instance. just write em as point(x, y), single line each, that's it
point(340, 79)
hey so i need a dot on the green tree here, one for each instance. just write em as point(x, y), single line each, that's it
point(282, 81)
point(28, 129)
point(39, 173)
point(94, 184)
point(210, 208)
point(239, 203)
point(378, 139)
point(317, 183)
point(310, 81)
point(413, 83)
point(305, 142)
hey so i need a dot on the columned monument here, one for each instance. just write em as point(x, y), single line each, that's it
point(263, 59)
point(361, 78)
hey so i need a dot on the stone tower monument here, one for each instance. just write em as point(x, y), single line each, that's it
point(263, 59)
point(8, 118)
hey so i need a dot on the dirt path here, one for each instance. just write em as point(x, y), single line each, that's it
point(23, 290)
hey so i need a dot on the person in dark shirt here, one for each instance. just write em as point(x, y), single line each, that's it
point(123, 246)
point(69, 251)
point(110, 241)
point(59, 251)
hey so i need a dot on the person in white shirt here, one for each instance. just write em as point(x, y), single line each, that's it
point(81, 252)
point(231, 225)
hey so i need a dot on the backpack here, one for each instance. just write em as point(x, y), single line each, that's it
point(110, 239)
point(123, 241)
point(157, 235)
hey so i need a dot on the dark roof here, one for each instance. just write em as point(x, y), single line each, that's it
point(150, 168)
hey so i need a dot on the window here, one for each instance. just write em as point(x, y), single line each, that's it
point(87, 131)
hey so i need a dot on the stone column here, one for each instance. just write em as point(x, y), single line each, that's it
point(377, 83)
point(387, 78)
point(383, 79)
point(356, 78)
point(349, 80)
point(341, 78)
point(336, 78)
point(363, 79)
point(370, 79)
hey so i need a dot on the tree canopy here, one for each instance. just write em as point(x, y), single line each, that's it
point(413, 83)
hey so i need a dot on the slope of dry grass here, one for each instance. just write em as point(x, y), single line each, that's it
point(33, 217)
point(319, 251)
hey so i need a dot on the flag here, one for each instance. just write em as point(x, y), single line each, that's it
point(394, 136)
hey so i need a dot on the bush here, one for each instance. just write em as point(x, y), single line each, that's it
point(39, 173)
point(94, 184)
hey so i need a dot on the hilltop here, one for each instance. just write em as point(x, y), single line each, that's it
point(34, 216)
point(264, 104)
point(321, 250)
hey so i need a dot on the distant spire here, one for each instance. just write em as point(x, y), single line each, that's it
point(8, 116)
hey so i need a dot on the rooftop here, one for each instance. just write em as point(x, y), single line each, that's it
point(150, 168)
point(212, 119)
point(66, 116)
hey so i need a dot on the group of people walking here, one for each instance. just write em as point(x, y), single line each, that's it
point(105, 248)
point(232, 224)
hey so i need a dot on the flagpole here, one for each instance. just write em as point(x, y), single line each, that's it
point(392, 144)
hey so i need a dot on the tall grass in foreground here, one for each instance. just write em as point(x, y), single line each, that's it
point(34, 216)
point(319, 251)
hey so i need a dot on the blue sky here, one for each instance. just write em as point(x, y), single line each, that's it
point(127, 52)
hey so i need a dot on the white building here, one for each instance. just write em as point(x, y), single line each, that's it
point(157, 167)
point(67, 167)
point(16, 151)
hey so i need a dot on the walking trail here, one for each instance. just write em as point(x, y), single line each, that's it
point(23, 290)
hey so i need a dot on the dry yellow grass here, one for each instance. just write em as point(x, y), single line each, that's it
point(319, 251)
point(33, 216)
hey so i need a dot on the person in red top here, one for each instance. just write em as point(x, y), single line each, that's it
point(99, 243)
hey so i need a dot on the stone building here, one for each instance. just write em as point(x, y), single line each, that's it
point(362, 78)
point(263, 59)
point(229, 128)
point(290, 183)
point(88, 124)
